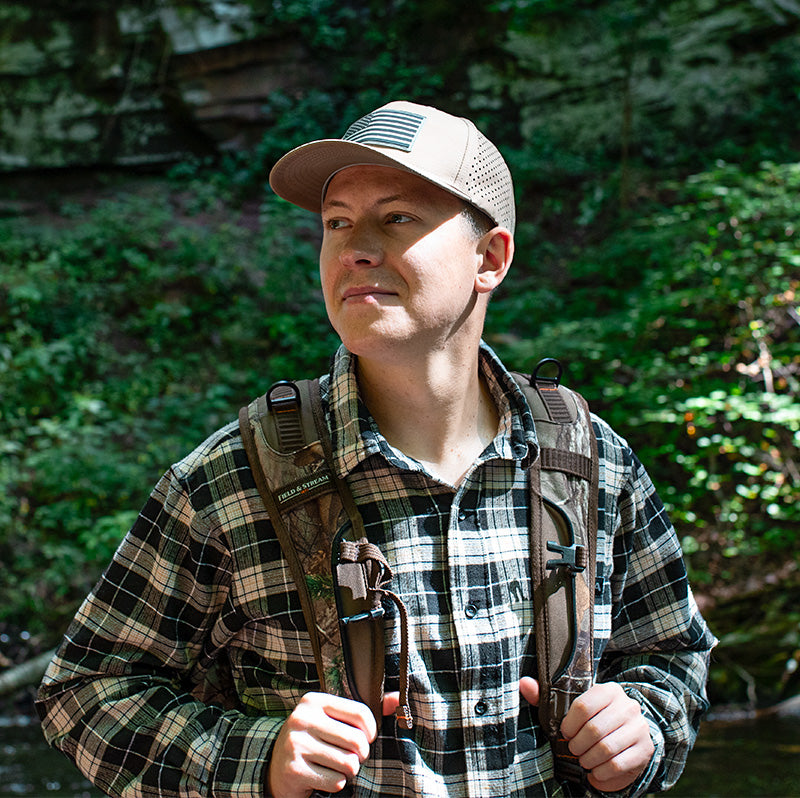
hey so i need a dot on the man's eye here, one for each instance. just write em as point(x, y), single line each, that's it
point(398, 218)
point(335, 224)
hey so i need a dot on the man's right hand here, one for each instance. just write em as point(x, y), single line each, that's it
point(320, 746)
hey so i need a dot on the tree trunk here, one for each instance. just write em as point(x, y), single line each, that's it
point(25, 674)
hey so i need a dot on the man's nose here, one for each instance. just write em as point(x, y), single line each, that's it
point(363, 247)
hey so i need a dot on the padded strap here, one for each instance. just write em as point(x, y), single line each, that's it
point(287, 545)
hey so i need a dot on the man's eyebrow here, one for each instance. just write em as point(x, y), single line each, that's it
point(335, 203)
point(393, 198)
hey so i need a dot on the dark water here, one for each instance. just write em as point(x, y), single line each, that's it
point(758, 759)
point(30, 768)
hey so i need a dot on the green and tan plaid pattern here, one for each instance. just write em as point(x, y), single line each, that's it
point(178, 670)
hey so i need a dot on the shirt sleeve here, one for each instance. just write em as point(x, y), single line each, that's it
point(659, 644)
point(119, 697)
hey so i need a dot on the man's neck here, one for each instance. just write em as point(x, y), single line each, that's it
point(438, 412)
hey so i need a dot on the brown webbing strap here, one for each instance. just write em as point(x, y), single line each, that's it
point(292, 419)
point(365, 639)
point(554, 403)
point(572, 463)
point(379, 575)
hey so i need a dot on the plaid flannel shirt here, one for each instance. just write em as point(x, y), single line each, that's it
point(179, 668)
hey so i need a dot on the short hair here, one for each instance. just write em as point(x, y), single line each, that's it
point(479, 222)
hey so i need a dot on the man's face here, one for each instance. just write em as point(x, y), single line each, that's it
point(398, 263)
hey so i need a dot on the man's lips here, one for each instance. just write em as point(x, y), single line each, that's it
point(364, 291)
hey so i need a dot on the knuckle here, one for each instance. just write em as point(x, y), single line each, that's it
point(593, 729)
point(294, 770)
point(311, 699)
point(352, 765)
point(299, 720)
point(356, 742)
point(634, 708)
point(609, 771)
point(605, 750)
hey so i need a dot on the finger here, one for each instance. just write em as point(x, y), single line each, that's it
point(302, 763)
point(351, 713)
point(529, 688)
point(337, 721)
point(390, 703)
point(344, 737)
point(614, 728)
point(597, 729)
point(622, 770)
point(607, 746)
point(329, 762)
point(589, 704)
point(300, 783)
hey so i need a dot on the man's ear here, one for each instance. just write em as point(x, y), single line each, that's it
point(496, 249)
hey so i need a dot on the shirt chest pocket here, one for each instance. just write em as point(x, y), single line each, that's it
point(272, 665)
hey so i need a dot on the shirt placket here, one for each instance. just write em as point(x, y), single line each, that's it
point(478, 637)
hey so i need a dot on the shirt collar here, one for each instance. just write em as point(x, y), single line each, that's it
point(355, 435)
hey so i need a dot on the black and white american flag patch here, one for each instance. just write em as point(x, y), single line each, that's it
point(386, 128)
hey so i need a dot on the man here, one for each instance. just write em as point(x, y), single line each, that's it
point(189, 671)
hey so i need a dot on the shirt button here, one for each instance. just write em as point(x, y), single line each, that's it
point(481, 708)
point(470, 610)
point(462, 515)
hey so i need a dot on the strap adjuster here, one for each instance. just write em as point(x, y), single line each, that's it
point(283, 400)
point(573, 557)
point(373, 614)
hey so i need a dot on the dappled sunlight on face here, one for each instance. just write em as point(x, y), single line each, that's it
point(398, 259)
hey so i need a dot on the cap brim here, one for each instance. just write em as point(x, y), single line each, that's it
point(300, 175)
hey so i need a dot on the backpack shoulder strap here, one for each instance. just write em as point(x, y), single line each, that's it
point(339, 576)
point(563, 541)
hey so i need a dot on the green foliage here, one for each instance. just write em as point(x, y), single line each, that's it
point(140, 326)
point(132, 332)
point(135, 328)
point(683, 329)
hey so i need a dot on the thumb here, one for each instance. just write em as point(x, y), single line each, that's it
point(390, 703)
point(529, 688)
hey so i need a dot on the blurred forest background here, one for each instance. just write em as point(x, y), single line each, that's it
point(150, 284)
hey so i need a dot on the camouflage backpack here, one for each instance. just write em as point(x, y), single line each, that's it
point(342, 578)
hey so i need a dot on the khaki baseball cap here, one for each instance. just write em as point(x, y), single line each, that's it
point(446, 150)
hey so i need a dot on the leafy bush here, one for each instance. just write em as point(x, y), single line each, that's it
point(132, 332)
point(683, 329)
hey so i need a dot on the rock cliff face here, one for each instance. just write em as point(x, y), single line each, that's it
point(110, 84)
point(136, 82)
point(652, 75)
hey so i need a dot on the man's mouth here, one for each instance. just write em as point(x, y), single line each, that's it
point(365, 291)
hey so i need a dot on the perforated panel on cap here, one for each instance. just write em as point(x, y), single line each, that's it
point(488, 179)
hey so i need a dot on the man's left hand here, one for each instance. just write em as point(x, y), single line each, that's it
point(606, 731)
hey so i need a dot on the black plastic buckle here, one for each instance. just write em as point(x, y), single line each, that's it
point(573, 557)
point(372, 615)
point(550, 382)
point(283, 401)
point(283, 395)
